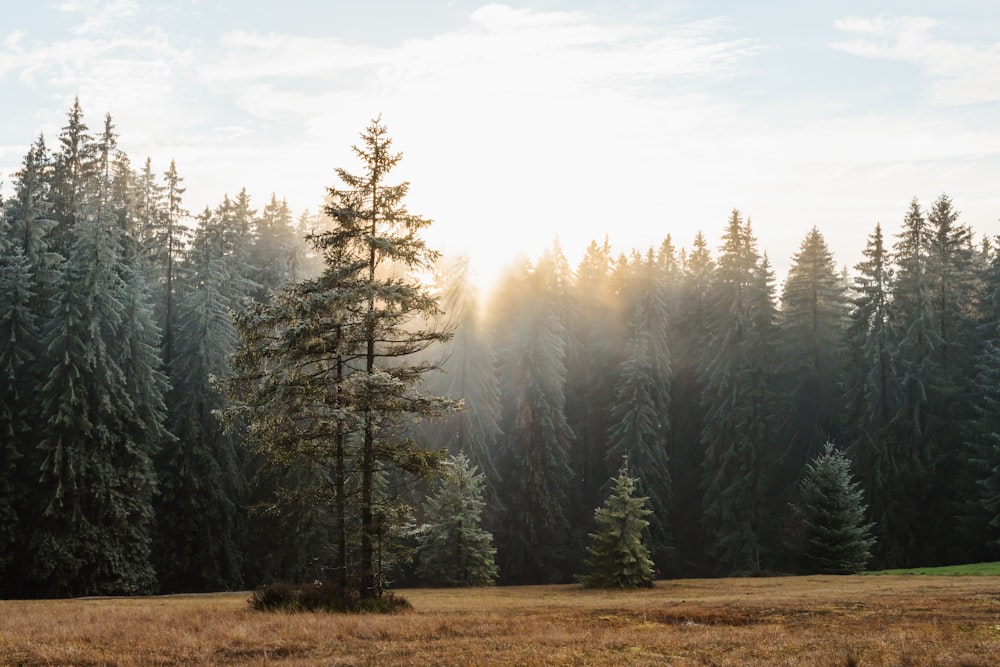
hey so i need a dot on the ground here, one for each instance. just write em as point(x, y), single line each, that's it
point(826, 621)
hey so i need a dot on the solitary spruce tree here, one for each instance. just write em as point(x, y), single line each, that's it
point(339, 355)
point(835, 537)
point(454, 549)
point(617, 555)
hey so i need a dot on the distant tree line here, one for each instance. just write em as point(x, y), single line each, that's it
point(126, 467)
point(719, 390)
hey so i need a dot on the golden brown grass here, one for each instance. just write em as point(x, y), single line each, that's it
point(824, 621)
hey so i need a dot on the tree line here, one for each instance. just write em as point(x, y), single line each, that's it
point(209, 402)
point(719, 389)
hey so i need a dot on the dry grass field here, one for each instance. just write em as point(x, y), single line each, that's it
point(824, 621)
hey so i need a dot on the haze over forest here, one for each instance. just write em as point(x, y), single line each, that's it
point(524, 123)
point(716, 386)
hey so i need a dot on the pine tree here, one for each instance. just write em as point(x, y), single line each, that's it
point(738, 402)
point(199, 527)
point(982, 512)
point(590, 378)
point(28, 275)
point(94, 495)
point(641, 410)
point(812, 320)
point(617, 555)
point(689, 353)
point(167, 238)
point(365, 304)
point(454, 549)
point(19, 352)
point(835, 537)
point(953, 285)
point(537, 436)
point(918, 425)
point(869, 389)
point(275, 254)
point(137, 346)
point(811, 328)
point(980, 507)
point(71, 176)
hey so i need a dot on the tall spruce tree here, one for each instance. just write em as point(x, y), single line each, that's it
point(198, 540)
point(869, 391)
point(137, 346)
point(93, 498)
point(641, 410)
point(71, 176)
point(812, 321)
point(738, 400)
point(590, 377)
point(981, 513)
point(689, 354)
point(28, 275)
point(276, 252)
point(167, 239)
point(953, 283)
point(19, 354)
point(980, 506)
point(537, 436)
point(371, 298)
point(918, 423)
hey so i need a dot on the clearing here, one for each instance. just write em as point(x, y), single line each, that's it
point(839, 621)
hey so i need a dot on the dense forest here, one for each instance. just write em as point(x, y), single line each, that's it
point(124, 467)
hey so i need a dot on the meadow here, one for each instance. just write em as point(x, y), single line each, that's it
point(842, 621)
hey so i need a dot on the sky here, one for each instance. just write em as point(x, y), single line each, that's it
point(525, 124)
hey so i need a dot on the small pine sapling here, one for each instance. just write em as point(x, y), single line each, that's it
point(835, 537)
point(617, 555)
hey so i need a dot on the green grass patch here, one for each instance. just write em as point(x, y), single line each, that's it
point(972, 569)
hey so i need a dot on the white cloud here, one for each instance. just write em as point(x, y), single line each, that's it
point(243, 56)
point(500, 50)
point(12, 42)
point(476, 100)
point(99, 16)
point(958, 73)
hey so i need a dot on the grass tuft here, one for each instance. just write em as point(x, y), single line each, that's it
point(323, 596)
